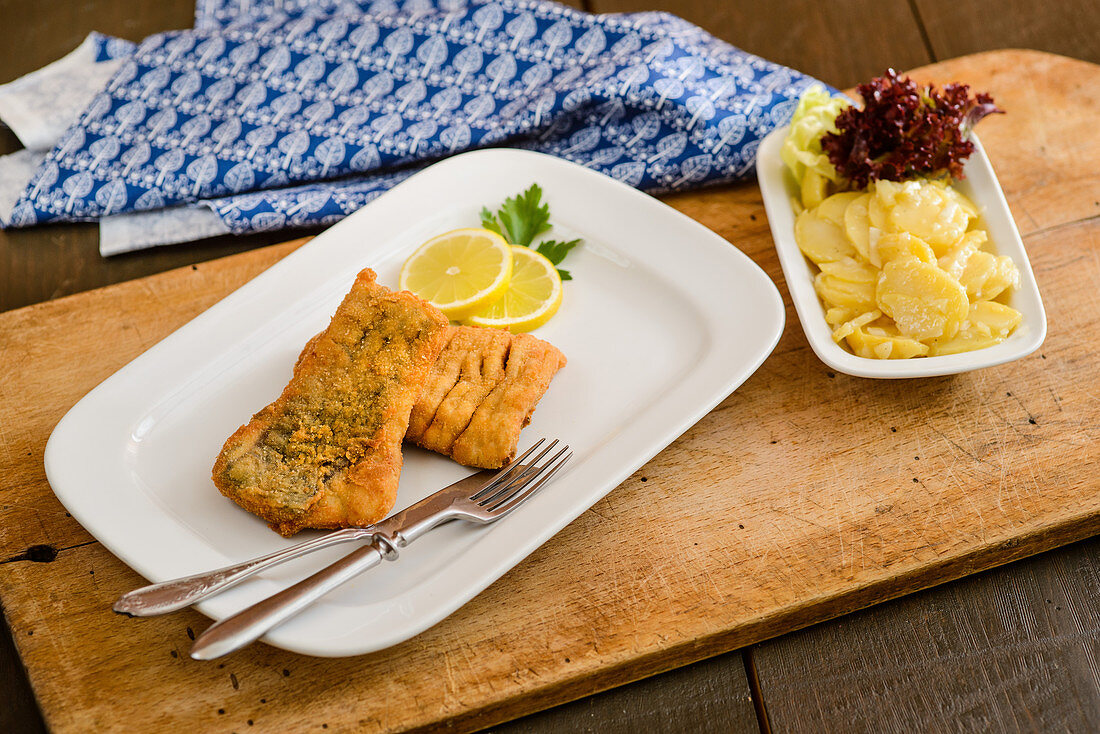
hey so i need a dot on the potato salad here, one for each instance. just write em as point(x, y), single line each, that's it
point(903, 273)
point(904, 267)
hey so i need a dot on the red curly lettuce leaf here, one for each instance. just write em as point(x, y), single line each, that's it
point(905, 130)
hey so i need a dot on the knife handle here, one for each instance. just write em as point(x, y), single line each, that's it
point(252, 623)
point(170, 596)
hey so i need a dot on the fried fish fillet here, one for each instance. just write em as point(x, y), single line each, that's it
point(480, 393)
point(327, 452)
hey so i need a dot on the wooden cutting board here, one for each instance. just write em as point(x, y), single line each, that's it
point(803, 496)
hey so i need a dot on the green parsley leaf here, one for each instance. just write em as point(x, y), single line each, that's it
point(555, 251)
point(488, 221)
point(524, 217)
point(521, 219)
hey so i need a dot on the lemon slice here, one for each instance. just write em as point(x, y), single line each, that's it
point(532, 297)
point(460, 272)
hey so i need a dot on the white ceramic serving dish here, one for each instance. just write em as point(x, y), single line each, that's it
point(662, 321)
point(778, 188)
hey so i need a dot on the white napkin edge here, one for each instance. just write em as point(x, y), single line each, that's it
point(122, 233)
point(16, 171)
point(43, 104)
point(118, 233)
point(70, 84)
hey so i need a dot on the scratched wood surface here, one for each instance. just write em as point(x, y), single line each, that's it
point(712, 695)
point(803, 496)
point(1014, 650)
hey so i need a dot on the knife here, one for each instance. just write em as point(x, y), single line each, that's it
point(481, 503)
point(171, 596)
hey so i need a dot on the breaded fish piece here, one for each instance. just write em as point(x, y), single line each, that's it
point(327, 453)
point(480, 394)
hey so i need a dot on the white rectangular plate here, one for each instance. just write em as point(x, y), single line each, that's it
point(663, 320)
point(778, 188)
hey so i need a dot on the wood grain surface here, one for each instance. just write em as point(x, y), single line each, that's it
point(711, 696)
point(781, 522)
point(870, 35)
point(46, 31)
point(957, 27)
point(943, 663)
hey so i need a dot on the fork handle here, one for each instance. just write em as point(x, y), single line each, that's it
point(251, 624)
point(170, 596)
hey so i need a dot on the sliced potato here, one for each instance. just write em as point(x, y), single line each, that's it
point(902, 244)
point(877, 214)
point(834, 291)
point(832, 209)
point(851, 325)
point(929, 213)
point(837, 315)
point(987, 276)
point(883, 345)
point(997, 319)
point(968, 206)
point(887, 192)
point(954, 261)
point(1005, 276)
point(857, 226)
point(924, 301)
point(814, 188)
point(851, 270)
point(819, 240)
point(988, 323)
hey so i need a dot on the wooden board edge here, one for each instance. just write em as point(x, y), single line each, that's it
point(1006, 53)
point(277, 251)
point(812, 612)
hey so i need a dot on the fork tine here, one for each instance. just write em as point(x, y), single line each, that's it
point(516, 500)
point(518, 486)
point(512, 466)
point(531, 468)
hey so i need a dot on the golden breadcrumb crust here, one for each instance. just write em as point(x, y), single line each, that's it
point(480, 394)
point(327, 452)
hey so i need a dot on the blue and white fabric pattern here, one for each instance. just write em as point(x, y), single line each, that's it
point(299, 112)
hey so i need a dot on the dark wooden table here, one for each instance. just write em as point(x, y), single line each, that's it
point(1013, 649)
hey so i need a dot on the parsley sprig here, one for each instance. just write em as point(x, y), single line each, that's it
point(520, 219)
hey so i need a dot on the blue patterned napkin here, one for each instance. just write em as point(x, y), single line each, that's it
point(278, 114)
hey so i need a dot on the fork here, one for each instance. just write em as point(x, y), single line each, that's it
point(510, 488)
point(176, 594)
